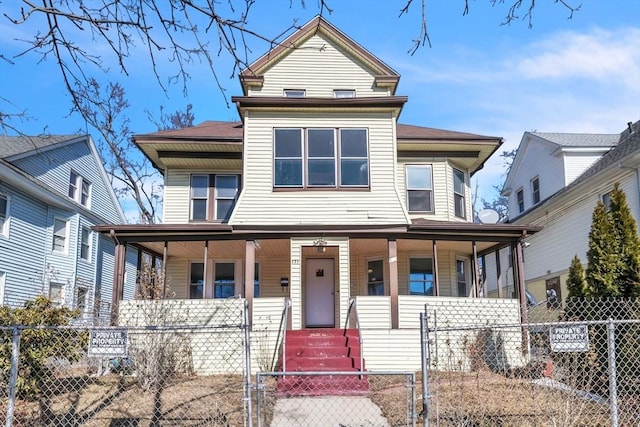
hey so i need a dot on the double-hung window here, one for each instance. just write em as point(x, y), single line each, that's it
point(461, 277)
point(420, 276)
point(375, 277)
point(320, 158)
point(520, 200)
point(56, 293)
point(196, 282)
point(4, 215)
point(419, 188)
point(459, 199)
point(85, 244)
point(213, 196)
point(60, 235)
point(79, 189)
point(535, 190)
point(224, 284)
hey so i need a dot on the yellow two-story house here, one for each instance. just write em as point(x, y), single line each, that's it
point(318, 196)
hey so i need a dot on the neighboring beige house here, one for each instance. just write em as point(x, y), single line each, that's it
point(555, 182)
point(318, 195)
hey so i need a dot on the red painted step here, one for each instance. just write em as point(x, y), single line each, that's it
point(322, 350)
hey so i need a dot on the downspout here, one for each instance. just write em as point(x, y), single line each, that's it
point(117, 282)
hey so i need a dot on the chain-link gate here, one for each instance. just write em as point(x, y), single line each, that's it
point(571, 365)
point(166, 364)
point(291, 399)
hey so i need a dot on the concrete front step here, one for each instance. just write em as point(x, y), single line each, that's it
point(329, 385)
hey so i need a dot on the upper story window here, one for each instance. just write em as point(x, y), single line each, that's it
point(459, 200)
point(419, 188)
point(329, 158)
point(535, 190)
point(421, 276)
point(79, 189)
point(295, 93)
point(520, 200)
point(85, 244)
point(344, 93)
point(213, 196)
point(4, 215)
point(375, 277)
point(60, 235)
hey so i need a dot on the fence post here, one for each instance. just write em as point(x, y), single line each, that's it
point(13, 376)
point(424, 342)
point(247, 353)
point(613, 384)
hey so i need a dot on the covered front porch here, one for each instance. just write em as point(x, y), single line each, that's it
point(321, 269)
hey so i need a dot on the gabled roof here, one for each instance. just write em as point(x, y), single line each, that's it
point(253, 74)
point(15, 145)
point(580, 139)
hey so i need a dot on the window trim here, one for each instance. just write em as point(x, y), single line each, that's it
point(459, 196)
point(420, 256)
point(294, 93)
point(77, 299)
point(6, 216)
point(87, 244)
point(337, 92)
point(214, 272)
point(465, 265)
point(382, 281)
point(605, 198)
point(65, 250)
point(192, 284)
point(212, 198)
point(535, 190)
point(61, 286)
point(408, 189)
point(77, 189)
point(337, 160)
point(520, 199)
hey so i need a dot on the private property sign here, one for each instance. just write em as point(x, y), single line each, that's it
point(108, 342)
point(574, 338)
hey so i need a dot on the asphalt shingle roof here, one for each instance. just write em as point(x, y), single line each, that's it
point(13, 145)
point(580, 139)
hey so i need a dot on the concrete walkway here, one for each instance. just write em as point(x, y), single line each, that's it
point(327, 411)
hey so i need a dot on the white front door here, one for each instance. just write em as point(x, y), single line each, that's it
point(319, 293)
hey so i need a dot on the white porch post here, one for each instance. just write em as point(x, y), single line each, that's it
point(249, 273)
point(393, 282)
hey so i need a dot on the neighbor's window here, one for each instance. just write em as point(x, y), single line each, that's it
point(2, 286)
point(294, 93)
point(520, 200)
point(606, 201)
point(375, 277)
point(196, 281)
point(535, 190)
point(461, 277)
point(419, 188)
point(56, 293)
point(4, 215)
point(225, 284)
point(459, 199)
point(420, 276)
point(213, 196)
point(317, 158)
point(85, 243)
point(79, 189)
point(81, 298)
point(60, 231)
point(344, 93)
point(256, 280)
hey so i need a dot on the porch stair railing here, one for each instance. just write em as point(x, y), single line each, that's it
point(281, 342)
point(353, 321)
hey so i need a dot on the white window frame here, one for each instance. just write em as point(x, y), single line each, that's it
point(410, 188)
point(520, 199)
point(465, 271)
point(5, 217)
point(65, 249)
point(87, 244)
point(79, 189)
point(212, 196)
point(344, 93)
point(60, 285)
point(535, 190)
point(217, 196)
point(294, 93)
point(459, 197)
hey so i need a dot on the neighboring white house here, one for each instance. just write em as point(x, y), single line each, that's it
point(318, 195)
point(53, 189)
point(555, 182)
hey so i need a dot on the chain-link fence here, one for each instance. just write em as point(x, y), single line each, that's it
point(571, 365)
point(291, 399)
point(167, 363)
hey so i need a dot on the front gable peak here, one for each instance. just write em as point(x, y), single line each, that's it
point(385, 76)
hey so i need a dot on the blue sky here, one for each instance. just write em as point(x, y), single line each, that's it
point(562, 75)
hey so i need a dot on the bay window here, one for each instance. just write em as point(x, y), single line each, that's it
point(459, 199)
point(419, 188)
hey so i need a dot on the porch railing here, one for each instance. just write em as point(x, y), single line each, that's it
point(354, 321)
point(281, 342)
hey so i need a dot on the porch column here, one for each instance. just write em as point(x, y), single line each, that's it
point(476, 271)
point(204, 271)
point(165, 255)
point(393, 282)
point(249, 274)
point(499, 273)
point(436, 282)
point(118, 281)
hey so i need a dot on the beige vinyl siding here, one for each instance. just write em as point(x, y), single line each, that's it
point(260, 204)
point(374, 312)
point(271, 270)
point(338, 71)
point(267, 315)
point(177, 278)
point(391, 349)
point(176, 197)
